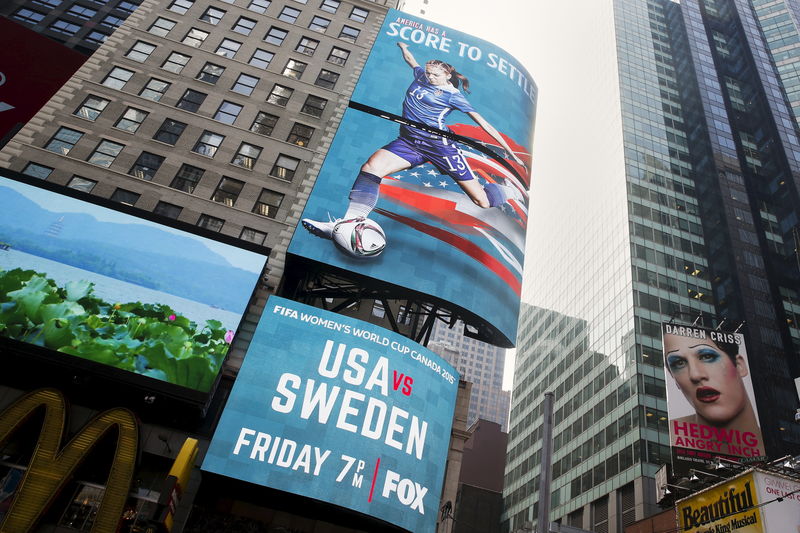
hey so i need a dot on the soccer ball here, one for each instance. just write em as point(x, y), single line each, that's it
point(359, 237)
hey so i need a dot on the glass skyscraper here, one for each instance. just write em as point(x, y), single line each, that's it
point(677, 200)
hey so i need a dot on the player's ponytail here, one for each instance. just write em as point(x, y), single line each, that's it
point(454, 77)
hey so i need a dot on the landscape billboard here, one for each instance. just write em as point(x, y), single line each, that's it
point(102, 285)
point(426, 182)
point(712, 409)
point(339, 410)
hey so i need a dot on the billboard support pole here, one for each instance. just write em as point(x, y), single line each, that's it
point(543, 520)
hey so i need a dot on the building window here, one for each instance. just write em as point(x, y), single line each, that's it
point(81, 184)
point(245, 84)
point(227, 112)
point(276, 36)
point(359, 15)
point(154, 89)
point(161, 26)
point(140, 51)
point(191, 100)
point(48, 3)
point(131, 120)
point(259, 6)
point(307, 46)
point(91, 108)
point(187, 178)
point(268, 203)
point(338, 56)
point(105, 153)
point(246, 156)
point(261, 58)
point(63, 141)
point(28, 15)
point(208, 143)
point(195, 37)
point(95, 37)
point(228, 48)
point(289, 14)
point(280, 95)
point(170, 131)
point(319, 24)
point(227, 191)
point(117, 78)
point(81, 12)
point(210, 223)
point(349, 33)
point(253, 235)
point(175, 62)
point(244, 25)
point(327, 79)
point(146, 166)
point(294, 69)
point(127, 7)
point(168, 210)
point(62, 26)
point(264, 123)
point(210, 73)
point(35, 170)
point(112, 22)
point(212, 15)
point(330, 5)
point(314, 106)
point(125, 197)
point(181, 6)
point(378, 309)
point(284, 167)
point(300, 134)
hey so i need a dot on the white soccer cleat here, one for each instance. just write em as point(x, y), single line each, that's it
point(320, 229)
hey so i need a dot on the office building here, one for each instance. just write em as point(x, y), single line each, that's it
point(672, 195)
point(479, 363)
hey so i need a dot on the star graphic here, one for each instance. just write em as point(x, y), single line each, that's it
point(442, 184)
point(432, 172)
point(427, 184)
point(415, 174)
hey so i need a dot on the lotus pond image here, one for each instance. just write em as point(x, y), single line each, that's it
point(122, 291)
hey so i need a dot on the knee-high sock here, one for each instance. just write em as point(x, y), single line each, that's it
point(363, 195)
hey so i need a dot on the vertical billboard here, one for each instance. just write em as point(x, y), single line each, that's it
point(712, 409)
point(339, 410)
point(90, 282)
point(426, 182)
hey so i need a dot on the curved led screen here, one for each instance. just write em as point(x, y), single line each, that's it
point(342, 411)
point(426, 182)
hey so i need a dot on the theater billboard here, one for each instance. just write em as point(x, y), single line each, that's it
point(342, 411)
point(426, 183)
point(710, 400)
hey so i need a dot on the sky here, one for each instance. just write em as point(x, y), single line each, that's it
point(516, 26)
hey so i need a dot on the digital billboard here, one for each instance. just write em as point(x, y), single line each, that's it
point(102, 285)
point(339, 410)
point(712, 409)
point(426, 182)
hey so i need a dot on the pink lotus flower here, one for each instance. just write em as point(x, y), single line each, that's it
point(229, 336)
point(171, 317)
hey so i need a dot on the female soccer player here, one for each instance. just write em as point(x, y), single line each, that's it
point(429, 99)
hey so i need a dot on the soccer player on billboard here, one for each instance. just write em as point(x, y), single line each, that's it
point(432, 95)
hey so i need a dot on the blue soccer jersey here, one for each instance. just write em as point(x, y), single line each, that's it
point(430, 104)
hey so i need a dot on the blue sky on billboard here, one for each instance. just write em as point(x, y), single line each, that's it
point(237, 257)
point(342, 411)
point(121, 291)
point(453, 214)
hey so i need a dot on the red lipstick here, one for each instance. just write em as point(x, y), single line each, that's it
point(707, 394)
